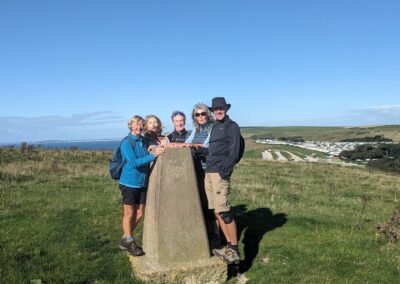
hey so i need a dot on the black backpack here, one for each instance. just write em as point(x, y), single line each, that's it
point(242, 145)
point(117, 163)
point(241, 149)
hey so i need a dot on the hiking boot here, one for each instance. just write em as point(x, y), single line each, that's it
point(131, 247)
point(232, 256)
point(220, 252)
point(228, 255)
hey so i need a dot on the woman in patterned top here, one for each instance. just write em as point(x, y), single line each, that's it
point(203, 121)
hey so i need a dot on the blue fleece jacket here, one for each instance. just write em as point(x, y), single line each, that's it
point(137, 167)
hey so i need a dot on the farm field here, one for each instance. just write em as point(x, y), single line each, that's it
point(323, 133)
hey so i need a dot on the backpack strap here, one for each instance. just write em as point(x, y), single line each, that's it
point(131, 141)
point(228, 126)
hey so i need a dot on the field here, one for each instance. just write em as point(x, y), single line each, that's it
point(286, 150)
point(297, 222)
point(323, 133)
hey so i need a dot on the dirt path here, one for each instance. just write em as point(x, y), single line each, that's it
point(295, 158)
point(267, 155)
point(311, 159)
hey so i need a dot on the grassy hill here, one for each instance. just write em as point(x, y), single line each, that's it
point(323, 133)
point(297, 222)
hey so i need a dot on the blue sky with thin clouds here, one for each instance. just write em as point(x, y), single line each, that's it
point(73, 69)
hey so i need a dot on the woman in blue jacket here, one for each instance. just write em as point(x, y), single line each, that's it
point(133, 181)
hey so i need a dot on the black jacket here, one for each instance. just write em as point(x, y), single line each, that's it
point(179, 137)
point(224, 147)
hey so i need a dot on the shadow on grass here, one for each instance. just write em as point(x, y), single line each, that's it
point(254, 224)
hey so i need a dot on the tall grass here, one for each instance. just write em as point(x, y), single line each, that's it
point(60, 218)
point(330, 216)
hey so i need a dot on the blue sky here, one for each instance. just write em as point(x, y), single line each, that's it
point(79, 69)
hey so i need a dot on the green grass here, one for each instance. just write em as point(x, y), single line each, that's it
point(60, 221)
point(318, 133)
point(314, 230)
point(286, 155)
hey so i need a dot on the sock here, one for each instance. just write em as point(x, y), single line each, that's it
point(234, 247)
point(129, 239)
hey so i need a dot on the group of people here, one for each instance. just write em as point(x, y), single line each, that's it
point(215, 144)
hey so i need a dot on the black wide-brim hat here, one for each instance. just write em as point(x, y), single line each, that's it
point(219, 102)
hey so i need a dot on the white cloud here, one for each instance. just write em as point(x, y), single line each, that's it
point(375, 115)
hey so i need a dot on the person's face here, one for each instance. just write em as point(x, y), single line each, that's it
point(152, 124)
point(219, 113)
point(179, 122)
point(137, 127)
point(201, 116)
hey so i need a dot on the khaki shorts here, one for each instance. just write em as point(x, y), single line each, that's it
point(218, 192)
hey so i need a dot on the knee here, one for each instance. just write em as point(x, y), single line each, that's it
point(128, 212)
point(139, 214)
point(227, 217)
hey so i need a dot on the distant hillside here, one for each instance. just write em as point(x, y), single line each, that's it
point(318, 133)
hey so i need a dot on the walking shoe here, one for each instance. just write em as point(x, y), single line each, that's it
point(232, 256)
point(228, 255)
point(131, 247)
point(220, 252)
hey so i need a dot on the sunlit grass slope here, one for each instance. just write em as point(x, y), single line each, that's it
point(297, 222)
point(323, 133)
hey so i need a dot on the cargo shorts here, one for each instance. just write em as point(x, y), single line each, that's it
point(218, 192)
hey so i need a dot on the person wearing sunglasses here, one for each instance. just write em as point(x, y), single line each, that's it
point(203, 122)
point(179, 135)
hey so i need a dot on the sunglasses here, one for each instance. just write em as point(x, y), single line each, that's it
point(201, 113)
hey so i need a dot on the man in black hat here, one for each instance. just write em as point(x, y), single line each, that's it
point(224, 148)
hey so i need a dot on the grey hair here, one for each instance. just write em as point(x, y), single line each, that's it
point(134, 119)
point(204, 107)
point(178, 112)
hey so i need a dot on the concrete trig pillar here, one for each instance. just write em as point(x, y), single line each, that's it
point(174, 235)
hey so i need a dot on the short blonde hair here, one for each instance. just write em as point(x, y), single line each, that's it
point(134, 119)
point(204, 107)
point(146, 119)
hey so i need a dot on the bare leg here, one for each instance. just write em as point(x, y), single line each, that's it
point(223, 227)
point(229, 230)
point(126, 220)
point(232, 231)
point(139, 209)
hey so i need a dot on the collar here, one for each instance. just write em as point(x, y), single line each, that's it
point(205, 125)
point(136, 138)
point(226, 118)
point(183, 132)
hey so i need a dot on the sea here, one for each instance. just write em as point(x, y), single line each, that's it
point(94, 145)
